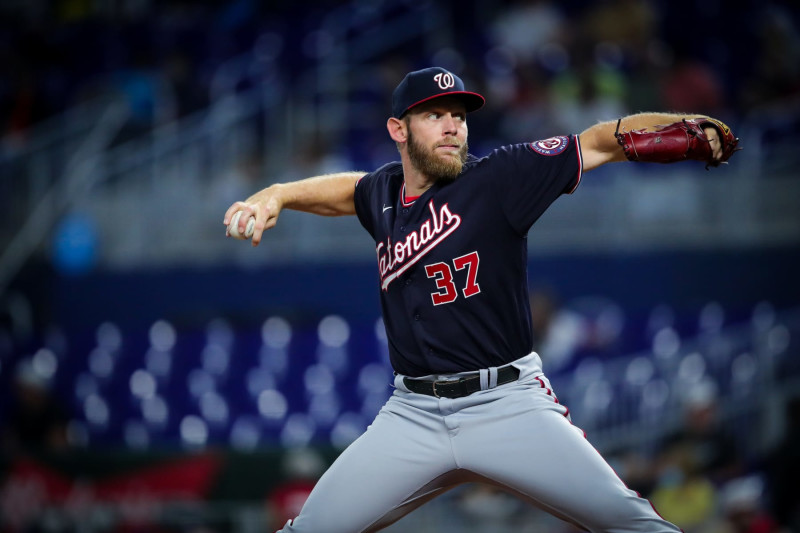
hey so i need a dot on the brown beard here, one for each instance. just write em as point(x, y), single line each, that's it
point(442, 169)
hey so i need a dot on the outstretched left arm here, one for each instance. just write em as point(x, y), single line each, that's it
point(601, 143)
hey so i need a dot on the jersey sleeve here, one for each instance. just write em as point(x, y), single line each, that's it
point(365, 190)
point(533, 175)
point(372, 191)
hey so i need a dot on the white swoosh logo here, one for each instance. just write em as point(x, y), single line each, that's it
point(386, 208)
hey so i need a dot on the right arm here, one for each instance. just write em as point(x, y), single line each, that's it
point(328, 195)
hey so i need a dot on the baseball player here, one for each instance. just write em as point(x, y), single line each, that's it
point(470, 400)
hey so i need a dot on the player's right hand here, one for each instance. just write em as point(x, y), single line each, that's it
point(263, 205)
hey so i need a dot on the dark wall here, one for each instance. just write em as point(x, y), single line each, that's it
point(736, 279)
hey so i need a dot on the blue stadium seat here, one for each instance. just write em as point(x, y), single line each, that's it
point(97, 415)
point(156, 412)
point(214, 410)
point(299, 430)
point(136, 435)
point(333, 333)
point(246, 433)
point(109, 337)
point(101, 363)
point(711, 318)
point(323, 408)
point(639, 372)
point(666, 344)
point(348, 428)
point(374, 378)
point(319, 379)
point(654, 403)
point(219, 332)
point(276, 337)
point(194, 432)
point(216, 360)
point(198, 382)
point(142, 385)
point(259, 379)
point(273, 407)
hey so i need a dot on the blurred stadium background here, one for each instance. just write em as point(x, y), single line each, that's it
point(155, 376)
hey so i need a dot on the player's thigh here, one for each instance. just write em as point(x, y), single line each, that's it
point(533, 449)
point(394, 461)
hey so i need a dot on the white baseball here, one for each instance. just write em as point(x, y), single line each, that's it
point(233, 227)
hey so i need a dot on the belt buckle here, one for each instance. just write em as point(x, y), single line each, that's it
point(433, 385)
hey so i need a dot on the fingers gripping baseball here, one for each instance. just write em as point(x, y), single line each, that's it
point(249, 220)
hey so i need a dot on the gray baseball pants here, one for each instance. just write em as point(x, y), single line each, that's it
point(515, 436)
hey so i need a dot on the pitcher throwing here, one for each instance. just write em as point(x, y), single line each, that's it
point(471, 402)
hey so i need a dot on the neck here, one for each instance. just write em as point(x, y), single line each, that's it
point(416, 182)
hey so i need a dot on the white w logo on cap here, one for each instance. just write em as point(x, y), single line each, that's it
point(445, 80)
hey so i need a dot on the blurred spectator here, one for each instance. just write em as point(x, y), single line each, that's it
point(316, 154)
point(527, 25)
point(143, 91)
point(777, 63)
point(693, 85)
point(783, 465)
point(683, 494)
point(558, 333)
point(742, 510)
point(590, 325)
point(179, 71)
point(530, 111)
point(644, 79)
point(487, 508)
point(711, 447)
point(36, 419)
point(22, 105)
point(629, 24)
point(636, 470)
point(302, 467)
point(484, 508)
point(592, 89)
point(243, 176)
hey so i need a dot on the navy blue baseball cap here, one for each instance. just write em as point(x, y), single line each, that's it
point(426, 84)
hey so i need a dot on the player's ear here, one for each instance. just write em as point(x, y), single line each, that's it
point(397, 130)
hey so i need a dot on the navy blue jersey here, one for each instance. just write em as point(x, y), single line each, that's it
point(453, 263)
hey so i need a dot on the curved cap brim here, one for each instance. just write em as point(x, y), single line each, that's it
point(472, 101)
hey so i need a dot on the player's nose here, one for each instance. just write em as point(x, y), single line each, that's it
point(449, 124)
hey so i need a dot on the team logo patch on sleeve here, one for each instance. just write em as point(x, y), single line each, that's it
point(551, 146)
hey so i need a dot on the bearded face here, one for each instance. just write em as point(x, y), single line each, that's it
point(432, 161)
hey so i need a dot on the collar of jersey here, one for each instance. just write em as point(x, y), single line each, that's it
point(471, 160)
point(403, 201)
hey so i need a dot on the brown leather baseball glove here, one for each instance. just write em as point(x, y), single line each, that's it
point(678, 141)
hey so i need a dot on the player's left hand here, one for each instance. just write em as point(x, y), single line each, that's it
point(713, 142)
point(721, 141)
point(702, 139)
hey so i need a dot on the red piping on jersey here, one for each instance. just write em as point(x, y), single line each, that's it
point(627, 487)
point(407, 201)
point(580, 164)
point(546, 389)
point(555, 399)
